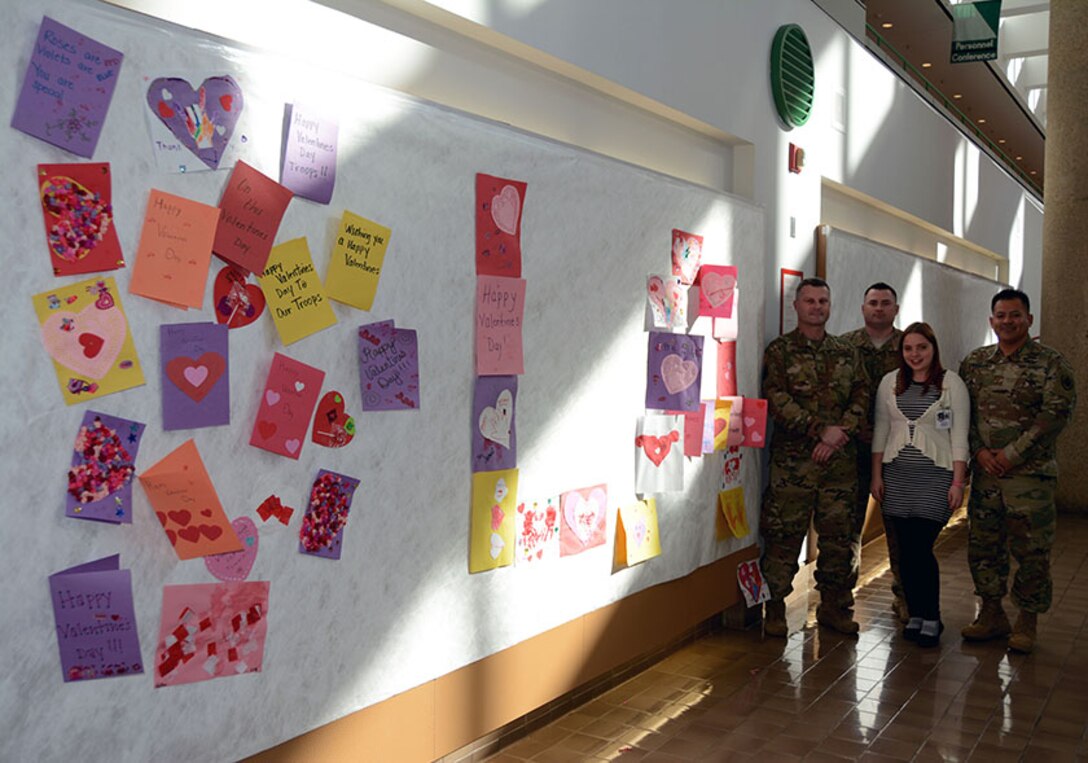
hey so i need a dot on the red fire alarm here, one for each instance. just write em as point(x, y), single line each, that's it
point(797, 159)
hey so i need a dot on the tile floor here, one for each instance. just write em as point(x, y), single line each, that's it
point(819, 696)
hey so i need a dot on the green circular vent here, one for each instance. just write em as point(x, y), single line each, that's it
point(792, 73)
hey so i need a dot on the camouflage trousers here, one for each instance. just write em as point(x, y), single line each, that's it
point(1012, 514)
point(802, 491)
point(865, 477)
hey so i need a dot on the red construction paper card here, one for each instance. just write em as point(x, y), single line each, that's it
point(755, 423)
point(287, 404)
point(727, 369)
point(175, 250)
point(499, 204)
point(250, 211)
point(717, 284)
point(77, 208)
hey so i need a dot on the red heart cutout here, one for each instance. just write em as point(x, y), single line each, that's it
point(333, 428)
point(237, 303)
point(212, 531)
point(162, 518)
point(91, 343)
point(196, 377)
point(165, 111)
point(172, 537)
point(206, 512)
point(226, 101)
point(180, 517)
point(719, 425)
point(266, 429)
point(657, 448)
point(191, 534)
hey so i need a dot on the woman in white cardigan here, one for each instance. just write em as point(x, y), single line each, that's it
point(919, 466)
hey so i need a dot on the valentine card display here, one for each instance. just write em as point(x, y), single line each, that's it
point(175, 250)
point(731, 503)
point(296, 298)
point(237, 303)
point(583, 515)
point(537, 532)
point(250, 211)
point(333, 427)
point(67, 89)
point(84, 330)
point(95, 621)
point(717, 284)
point(499, 205)
point(199, 121)
point(752, 584)
point(356, 263)
point(755, 423)
point(195, 375)
point(674, 371)
point(667, 302)
point(236, 565)
point(687, 255)
point(103, 465)
point(388, 367)
point(309, 157)
point(322, 532)
point(722, 417)
point(491, 535)
point(659, 448)
point(77, 208)
point(287, 403)
point(727, 369)
point(184, 500)
point(500, 307)
point(211, 630)
point(637, 538)
point(494, 432)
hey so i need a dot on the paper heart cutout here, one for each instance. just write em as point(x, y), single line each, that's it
point(82, 217)
point(211, 531)
point(299, 386)
point(497, 516)
point(236, 565)
point(755, 437)
point(202, 119)
point(495, 421)
point(181, 517)
point(719, 425)
point(639, 531)
point(500, 489)
point(678, 374)
point(237, 303)
point(266, 429)
point(749, 421)
point(505, 208)
point(497, 545)
point(196, 377)
point(107, 465)
point(191, 534)
point(333, 427)
point(271, 397)
point(718, 287)
point(583, 515)
point(657, 448)
point(91, 325)
point(205, 512)
point(292, 445)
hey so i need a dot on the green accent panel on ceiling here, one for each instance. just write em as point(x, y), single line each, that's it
point(793, 79)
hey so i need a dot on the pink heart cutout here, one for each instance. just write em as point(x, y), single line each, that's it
point(718, 287)
point(236, 565)
point(271, 397)
point(291, 445)
point(505, 208)
point(678, 374)
point(66, 348)
point(583, 515)
point(195, 375)
point(495, 422)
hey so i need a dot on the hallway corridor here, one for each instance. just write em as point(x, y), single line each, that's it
point(819, 696)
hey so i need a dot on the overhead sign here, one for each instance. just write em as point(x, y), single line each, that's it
point(974, 31)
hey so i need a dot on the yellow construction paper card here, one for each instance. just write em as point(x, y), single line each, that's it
point(494, 512)
point(296, 299)
point(85, 332)
point(736, 516)
point(721, 423)
point(637, 538)
point(356, 263)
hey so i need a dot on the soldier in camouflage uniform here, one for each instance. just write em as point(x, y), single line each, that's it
point(1022, 395)
point(818, 396)
point(878, 343)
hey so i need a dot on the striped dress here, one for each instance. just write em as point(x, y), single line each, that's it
point(914, 486)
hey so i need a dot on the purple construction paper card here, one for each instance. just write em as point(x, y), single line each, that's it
point(103, 465)
point(309, 159)
point(195, 364)
point(494, 434)
point(322, 531)
point(674, 371)
point(388, 367)
point(67, 89)
point(95, 620)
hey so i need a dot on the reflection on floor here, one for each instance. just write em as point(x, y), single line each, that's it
point(819, 696)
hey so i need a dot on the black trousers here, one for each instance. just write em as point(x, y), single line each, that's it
point(918, 568)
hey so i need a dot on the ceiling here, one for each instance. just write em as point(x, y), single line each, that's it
point(1003, 102)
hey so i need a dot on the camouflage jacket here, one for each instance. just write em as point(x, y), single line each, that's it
point(878, 361)
point(1019, 403)
point(810, 385)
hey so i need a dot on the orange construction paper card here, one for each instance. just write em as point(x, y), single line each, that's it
point(175, 250)
point(185, 501)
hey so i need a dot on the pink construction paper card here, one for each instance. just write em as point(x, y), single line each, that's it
point(717, 284)
point(583, 520)
point(500, 306)
point(727, 369)
point(687, 255)
point(287, 404)
point(693, 429)
point(211, 630)
point(755, 423)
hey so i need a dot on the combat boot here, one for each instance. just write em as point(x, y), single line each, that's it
point(1023, 633)
point(991, 622)
point(774, 618)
